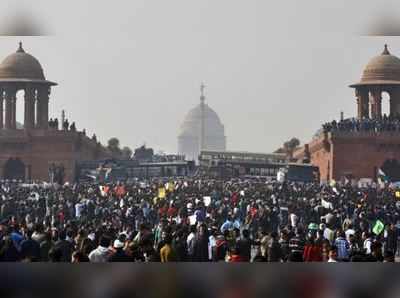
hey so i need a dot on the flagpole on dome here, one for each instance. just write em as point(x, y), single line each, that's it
point(202, 103)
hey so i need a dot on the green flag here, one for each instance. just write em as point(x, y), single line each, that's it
point(378, 227)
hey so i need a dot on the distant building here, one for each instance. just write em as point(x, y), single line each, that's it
point(201, 130)
point(361, 153)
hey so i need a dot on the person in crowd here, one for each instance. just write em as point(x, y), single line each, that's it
point(167, 252)
point(65, 246)
point(245, 221)
point(312, 250)
point(342, 246)
point(30, 249)
point(120, 255)
point(332, 255)
point(274, 253)
point(103, 252)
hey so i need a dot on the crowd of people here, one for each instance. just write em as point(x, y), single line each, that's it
point(205, 220)
point(385, 124)
point(54, 124)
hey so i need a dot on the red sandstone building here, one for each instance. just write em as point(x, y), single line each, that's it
point(358, 154)
point(30, 152)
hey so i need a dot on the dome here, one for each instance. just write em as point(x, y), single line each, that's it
point(191, 123)
point(21, 65)
point(190, 139)
point(381, 70)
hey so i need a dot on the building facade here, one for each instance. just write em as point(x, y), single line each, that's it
point(201, 129)
point(33, 152)
point(361, 153)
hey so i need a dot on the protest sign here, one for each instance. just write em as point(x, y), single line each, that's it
point(378, 227)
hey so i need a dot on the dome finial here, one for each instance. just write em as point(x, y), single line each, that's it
point(386, 51)
point(202, 96)
point(20, 49)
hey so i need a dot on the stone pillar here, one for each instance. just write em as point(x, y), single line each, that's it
point(376, 104)
point(394, 101)
point(14, 112)
point(1, 108)
point(9, 96)
point(43, 104)
point(29, 117)
point(362, 103)
point(38, 111)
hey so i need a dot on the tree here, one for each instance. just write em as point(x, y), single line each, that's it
point(290, 146)
point(113, 146)
point(126, 153)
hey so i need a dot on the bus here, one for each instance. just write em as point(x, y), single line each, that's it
point(298, 173)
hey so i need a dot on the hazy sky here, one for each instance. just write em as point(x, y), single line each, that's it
point(132, 69)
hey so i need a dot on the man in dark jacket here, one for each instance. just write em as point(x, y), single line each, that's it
point(30, 249)
point(64, 246)
point(245, 246)
point(391, 239)
point(201, 245)
point(120, 255)
point(274, 249)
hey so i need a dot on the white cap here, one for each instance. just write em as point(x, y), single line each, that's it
point(92, 236)
point(118, 244)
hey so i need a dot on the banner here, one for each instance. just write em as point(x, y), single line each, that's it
point(162, 193)
point(378, 228)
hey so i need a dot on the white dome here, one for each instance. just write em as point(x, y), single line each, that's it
point(191, 125)
point(190, 132)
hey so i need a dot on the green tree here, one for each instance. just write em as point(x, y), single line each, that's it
point(113, 146)
point(126, 153)
point(290, 146)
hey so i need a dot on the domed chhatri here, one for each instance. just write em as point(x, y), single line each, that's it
point(382, 69)
point(382, 74)
point(21, 71)
point(21, 66)
point(201, 129)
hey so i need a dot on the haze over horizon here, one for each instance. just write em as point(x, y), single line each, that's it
point(133, 70)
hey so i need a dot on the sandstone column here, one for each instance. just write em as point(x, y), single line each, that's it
point(14, 112)
point(1, 108)
point(9, 96)
point(38, 110)
point(376, 104)
point(394, 101)
point(362, 103)
point(29, 117)
point(43, 104)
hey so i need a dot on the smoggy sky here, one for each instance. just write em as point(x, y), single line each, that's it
point(132, 69)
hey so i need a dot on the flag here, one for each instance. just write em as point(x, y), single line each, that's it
point(162, 193)
point(378, 227)
point(382, 176)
